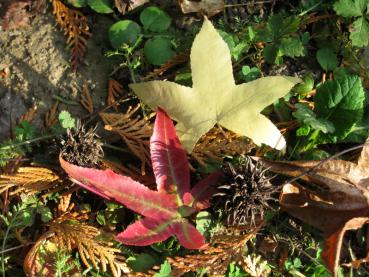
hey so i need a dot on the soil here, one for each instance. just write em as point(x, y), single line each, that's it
point(38, 70)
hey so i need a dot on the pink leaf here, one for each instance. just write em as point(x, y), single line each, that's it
point(188, 235)
point(169, 159)
point(146, 231)
point(203, 191)
point(124, 190)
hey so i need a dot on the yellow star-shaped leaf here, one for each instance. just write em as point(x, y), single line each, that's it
point(215, 98)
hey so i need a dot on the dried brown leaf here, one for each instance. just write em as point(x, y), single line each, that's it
point(224, 249)
point(51, 117)
point(205, 7)
point(86, 99)
point(125, 6)
point(134, 130)
point(180, 58)
point(75, 27)
point(30, 114)
point(217, 143)
point(29, 180)
point(114, 90)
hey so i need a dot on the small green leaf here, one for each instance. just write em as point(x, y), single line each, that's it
point(101, 6)
point(141, 263)
point(341, 101)
point(271, 53)
point(327, 59)
point(292, 47)
point(165, 270)
point(124, 32)
point(45, 213)
point(154, 19)
point(306, 86)
point(77, 3)
point(158, 50)
point(66, 120)
point(349, 8)
point(203, 222)
point(360, 33)
point(250, 74)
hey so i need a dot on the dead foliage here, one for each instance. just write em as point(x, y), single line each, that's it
point(217, 143)
point(69, 233)
point(29, 115)
point(86, 99)
point(29, 180)
point(115, 89)
point(51, 117)
point(340, 198)
point(204, 7)
point(125, 6)
point(75, 27)
point(224, 249)
point(17, 14)
point(180, 58)
point(135, 131)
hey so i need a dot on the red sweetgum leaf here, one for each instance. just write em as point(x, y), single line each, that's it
point(146, 231)
point(123, 190)
point(188, 235)
point(333, 244)
point(202, 192)
point(169, 159)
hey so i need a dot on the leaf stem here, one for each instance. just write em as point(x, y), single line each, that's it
point(26, 142)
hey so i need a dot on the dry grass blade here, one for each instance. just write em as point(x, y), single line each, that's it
point(29, 180)
point(176, 60)
point(224, 249)
point(51, 117)
point(75, 27)
point(217, 143)
point(114, 90)
point(86, 99)
point(134, 130)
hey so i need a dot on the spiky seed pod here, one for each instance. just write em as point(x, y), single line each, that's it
point(245, 194)
point(81, 147)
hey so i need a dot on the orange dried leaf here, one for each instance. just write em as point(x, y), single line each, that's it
point(51, 117)
point(29, 180)
point(86, 99)
point(114, 90)
point(75, 27)
point(134, 130)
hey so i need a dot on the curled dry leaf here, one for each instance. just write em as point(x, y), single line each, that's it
point(342, 196)
point(125, 6)
point(205, 7)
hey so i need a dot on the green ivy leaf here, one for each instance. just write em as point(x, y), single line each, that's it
point(158, 50)
point(341, 101)
point(124, 32)
point(360, 33)
point(154, 19)
point(327, 59)
point(101, 6)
